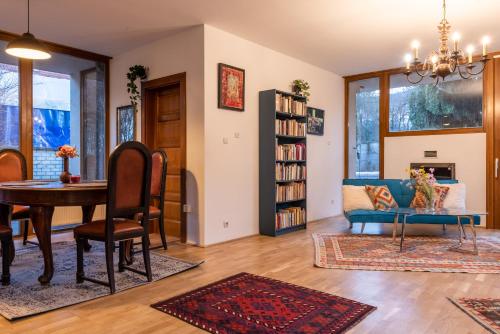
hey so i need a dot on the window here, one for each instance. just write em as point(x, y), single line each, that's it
point(68, 108)
point(364, 123)
point(9, 101)
point(453, 104)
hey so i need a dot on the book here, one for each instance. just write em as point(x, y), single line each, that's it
point(289, 217)
point(290, 127)
point(290, 192)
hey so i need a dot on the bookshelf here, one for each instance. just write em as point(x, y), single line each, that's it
point(282, 162)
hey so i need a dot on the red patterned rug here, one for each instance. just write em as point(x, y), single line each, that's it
point(485, 311)
point(246, 303)
point(371, 252)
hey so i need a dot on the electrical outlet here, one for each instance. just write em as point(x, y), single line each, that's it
point(225, 224)
point(186, 208)
point(225, 140)
point(236, 135)
point(332, 201)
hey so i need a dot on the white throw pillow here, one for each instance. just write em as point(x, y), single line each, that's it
point(455, 199)
point(356, 198)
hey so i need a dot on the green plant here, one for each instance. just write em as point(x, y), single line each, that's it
point(135, 72)
point(301, 87)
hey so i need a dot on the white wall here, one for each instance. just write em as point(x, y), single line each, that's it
point(182, 52)
point(231, 170)
point(467, 151)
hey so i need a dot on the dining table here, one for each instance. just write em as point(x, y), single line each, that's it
point(42, 197)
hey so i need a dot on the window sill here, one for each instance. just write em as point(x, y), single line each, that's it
point(435, 132)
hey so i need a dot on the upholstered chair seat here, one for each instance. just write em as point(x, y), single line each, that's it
point(97, 229)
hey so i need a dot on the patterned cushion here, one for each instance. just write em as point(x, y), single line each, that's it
point(419, 201)
point(381, 197)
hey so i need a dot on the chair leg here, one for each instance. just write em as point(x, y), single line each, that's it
point(362, 227)
point(145, 253)
point(109, 265)
point(121, 256)
point(25, 232)
point(6, 262)
point(79, 260)
point(162, 232)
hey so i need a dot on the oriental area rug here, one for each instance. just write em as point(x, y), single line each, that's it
point(25, 296)
point(433, 254)
point(246, 303)
point(486, 311)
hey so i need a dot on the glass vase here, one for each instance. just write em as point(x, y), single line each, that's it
point(65, 176)
point(430, 204)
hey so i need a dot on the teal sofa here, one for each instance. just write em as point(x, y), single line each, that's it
point(403, 196)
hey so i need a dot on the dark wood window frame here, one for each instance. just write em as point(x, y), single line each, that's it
point(491, 76)
point(26, 94)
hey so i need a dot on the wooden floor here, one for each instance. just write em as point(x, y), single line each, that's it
point(407, 302)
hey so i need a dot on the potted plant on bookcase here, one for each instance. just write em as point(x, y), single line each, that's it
point(301, 88)
point(135, 72)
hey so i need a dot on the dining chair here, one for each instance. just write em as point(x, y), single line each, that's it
point(13, 168)
point(127, 212)
point(158, 183)
point(6, 241)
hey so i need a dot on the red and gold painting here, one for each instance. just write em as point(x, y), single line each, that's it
point(231, 87)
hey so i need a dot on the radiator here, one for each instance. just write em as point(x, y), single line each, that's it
point(73, 215)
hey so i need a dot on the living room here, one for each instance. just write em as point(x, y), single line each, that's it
point(308, 181)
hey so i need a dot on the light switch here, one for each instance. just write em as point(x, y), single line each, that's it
point(225, 140)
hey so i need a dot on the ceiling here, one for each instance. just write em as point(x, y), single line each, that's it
point(343, 36)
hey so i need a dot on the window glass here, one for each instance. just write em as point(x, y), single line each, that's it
point(9, 100)
point(364, 123)
point(452, 104)
point(68, 108)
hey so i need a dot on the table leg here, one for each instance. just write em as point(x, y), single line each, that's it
point(473, 229)
point(395, 227)
point(460, 230)
point(5, 219)
point(87, 215)
point(41, 218)
point(402, 234)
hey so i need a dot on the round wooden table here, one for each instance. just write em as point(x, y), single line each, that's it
point(42, 198)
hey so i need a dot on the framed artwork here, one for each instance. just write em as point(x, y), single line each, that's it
point(125, 124)
point(231, 83)
point(315, 121)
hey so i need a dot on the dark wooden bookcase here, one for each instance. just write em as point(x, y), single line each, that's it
point(268, 139)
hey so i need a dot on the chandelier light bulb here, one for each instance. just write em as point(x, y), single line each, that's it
point(455, 37)
point(415, 45)
point(486, 40)
point(470, 51)
point(407, 60)
point(434, 59)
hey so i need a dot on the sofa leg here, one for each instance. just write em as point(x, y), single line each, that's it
point(362, 227)
point(350, 225)
point(444, 227)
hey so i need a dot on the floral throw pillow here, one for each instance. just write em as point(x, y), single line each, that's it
point(419, 201)
point(381, 197)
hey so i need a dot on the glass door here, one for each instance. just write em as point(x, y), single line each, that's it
point(363, 140)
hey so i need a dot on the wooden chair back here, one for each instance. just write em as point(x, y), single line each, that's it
point(12, 165)
point(159, 175)
point(129, 183)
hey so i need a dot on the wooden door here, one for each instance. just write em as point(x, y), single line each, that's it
point(164, 127)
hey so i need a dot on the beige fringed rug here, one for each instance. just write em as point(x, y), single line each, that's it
point(372, 252)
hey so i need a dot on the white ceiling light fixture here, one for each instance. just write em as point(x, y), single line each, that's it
point(27, 46)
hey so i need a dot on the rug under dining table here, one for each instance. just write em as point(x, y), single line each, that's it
point(25, 296)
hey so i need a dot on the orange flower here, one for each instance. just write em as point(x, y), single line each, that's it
point(67, 151)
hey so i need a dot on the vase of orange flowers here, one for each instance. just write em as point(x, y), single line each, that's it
point(424, 181)
point(66, 152)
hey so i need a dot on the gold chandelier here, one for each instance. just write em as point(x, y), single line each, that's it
point(439, 64)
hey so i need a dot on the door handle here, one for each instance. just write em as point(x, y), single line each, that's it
point(496, 168)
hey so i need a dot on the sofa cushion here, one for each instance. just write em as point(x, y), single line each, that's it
point(356, 198)
point(455, 199)
point(381, 197)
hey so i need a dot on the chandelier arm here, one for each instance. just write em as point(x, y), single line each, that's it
point(465, 75)
point(413, 82)
point(483, 66)
point(423, 74)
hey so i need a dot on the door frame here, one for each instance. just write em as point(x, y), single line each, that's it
point(147, 90)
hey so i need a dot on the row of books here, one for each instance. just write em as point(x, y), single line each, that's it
point(290, 127)
point(289, 105)
point(286, 172)
point(290, 192)
point(291, 151)
point(290, 217)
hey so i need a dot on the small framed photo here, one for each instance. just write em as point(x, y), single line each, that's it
point(125, 124)
point(315, 121)
point(231, 83)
